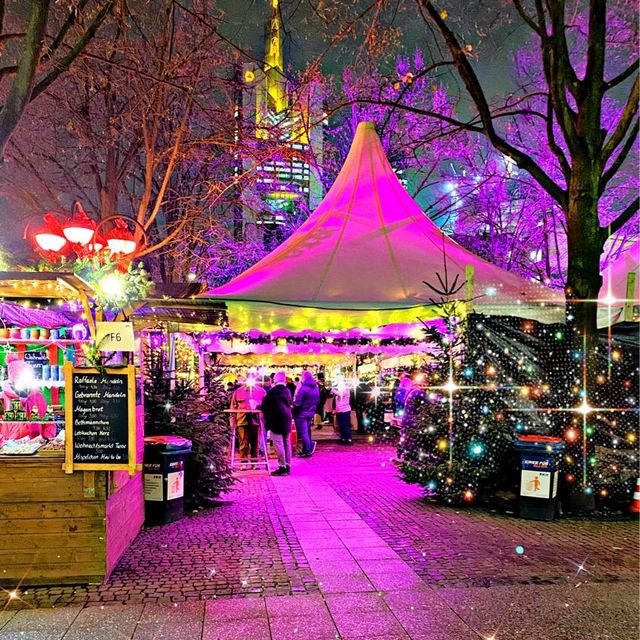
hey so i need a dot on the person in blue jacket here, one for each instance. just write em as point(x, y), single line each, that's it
point(305, 403)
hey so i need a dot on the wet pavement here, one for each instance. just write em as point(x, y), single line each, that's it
point(343, 548)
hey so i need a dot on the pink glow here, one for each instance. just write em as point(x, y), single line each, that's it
point(369, 246)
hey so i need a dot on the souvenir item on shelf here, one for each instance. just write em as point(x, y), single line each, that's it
point(44, 334)
point(46, 372)
point(23, 447)
point(4, 332)
point(15, 333)
point(25, 334)
point(19, 388)
point(54, 334)
point(35, 334)
point(10, 416)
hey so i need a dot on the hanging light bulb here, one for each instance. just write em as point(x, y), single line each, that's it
point(79, 229)
point(97, 244)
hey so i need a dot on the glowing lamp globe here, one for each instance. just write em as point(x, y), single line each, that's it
point(97, 244)
point(48, 236)
point(79, 229)
point(120, 240)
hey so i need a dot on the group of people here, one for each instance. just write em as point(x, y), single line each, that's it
point(282, 402)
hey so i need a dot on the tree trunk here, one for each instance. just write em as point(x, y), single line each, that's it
point(19, 92)
point(585, 243)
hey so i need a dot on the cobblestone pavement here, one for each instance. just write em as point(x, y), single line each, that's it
point(473, 547)
point(245, 546)
point(357, 555)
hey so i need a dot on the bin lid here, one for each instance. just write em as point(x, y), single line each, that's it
point(532, 442)
point(168, 443)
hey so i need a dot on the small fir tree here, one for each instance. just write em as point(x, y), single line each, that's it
point(197, 415)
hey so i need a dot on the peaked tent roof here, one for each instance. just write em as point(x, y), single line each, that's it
point(613, 293)
point(361, 259)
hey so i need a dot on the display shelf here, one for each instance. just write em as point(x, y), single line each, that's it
point(47, 384)
point(27, 422)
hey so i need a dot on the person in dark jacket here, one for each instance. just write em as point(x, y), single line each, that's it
point(276, 409)
point(305, 403)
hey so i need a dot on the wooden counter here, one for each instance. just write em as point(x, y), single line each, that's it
point(53, 531)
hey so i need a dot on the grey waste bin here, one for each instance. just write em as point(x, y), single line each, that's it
point(163, 469)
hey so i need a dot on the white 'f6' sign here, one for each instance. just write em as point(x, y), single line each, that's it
point(115, 336)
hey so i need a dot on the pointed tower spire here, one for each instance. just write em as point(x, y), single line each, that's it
point(274, 63)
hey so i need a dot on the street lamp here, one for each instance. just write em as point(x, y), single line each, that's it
point(80, 228)
point(119, 239)
point(55, 232)
point(49, 235)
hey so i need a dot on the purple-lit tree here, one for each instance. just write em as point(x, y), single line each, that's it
point(580, 97)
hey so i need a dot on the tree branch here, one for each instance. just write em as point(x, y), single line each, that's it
point(21, 89)
point(621, 77)
point(627, 117)
point(476, 92)
point(624, 217)
point(84, 40)
point(68, 23)
point(553, 145)
point(621, 157)
point(528, 19)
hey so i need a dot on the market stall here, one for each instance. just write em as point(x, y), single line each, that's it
point(61, 521)
point(359, 278)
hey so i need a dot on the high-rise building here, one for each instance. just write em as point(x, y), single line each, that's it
point(284, 124)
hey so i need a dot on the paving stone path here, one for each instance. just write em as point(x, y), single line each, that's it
point(355, 554)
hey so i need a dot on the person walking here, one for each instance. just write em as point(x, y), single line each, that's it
point(276, 409)
point(247, 396)
point(305, 403)
point(342, 395)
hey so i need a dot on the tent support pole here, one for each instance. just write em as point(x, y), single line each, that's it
point(468, 286)
point(628, 304)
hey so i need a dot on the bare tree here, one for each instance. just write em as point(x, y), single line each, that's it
point(588, 154)
point(37, 46)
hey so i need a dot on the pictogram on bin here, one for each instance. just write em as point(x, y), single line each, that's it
point(539, 457)
point(163, 469)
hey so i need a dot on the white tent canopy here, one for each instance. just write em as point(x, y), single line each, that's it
point(361, 259)
point(620, 288)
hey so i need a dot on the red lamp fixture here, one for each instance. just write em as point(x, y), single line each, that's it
point(49, 235)
point(56, 233)
point(80, 228)
point(120, 239)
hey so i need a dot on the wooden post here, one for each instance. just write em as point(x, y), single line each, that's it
point(627, 315)
point(172, 361)
point(87, 310)
point(203, 391)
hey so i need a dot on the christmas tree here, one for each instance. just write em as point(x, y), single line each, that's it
point(493, 378)
point(181, 409)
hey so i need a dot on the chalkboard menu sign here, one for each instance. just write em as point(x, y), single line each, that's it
point(100, 419)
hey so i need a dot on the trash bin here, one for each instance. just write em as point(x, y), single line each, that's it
point(163, 469)
point(539, 457)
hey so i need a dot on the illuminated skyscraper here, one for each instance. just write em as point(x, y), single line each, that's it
point(285, 123)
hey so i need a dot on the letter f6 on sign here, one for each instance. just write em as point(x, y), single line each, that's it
point(115, 336)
